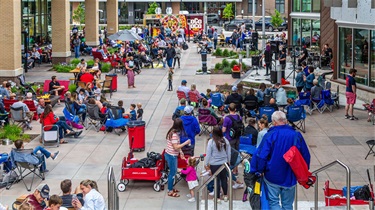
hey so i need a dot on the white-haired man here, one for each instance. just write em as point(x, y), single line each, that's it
point(268, 160)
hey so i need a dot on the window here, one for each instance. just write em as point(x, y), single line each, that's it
point(250, 7)
point(296, 24)
point(372, 59)
point(345, 52)
point(280, 6)
point(361, 55)
point(296, 5)
point(306, 6)
point(316, 6)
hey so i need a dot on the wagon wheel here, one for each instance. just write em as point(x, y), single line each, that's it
point(126, 181)
point(157, 187)
point(121, 187)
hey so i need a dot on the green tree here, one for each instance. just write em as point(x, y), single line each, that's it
point(276, 19)
point(228, 11)
point(79, 14)
point(151, 8)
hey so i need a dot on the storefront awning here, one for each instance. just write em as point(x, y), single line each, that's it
point(305, 15)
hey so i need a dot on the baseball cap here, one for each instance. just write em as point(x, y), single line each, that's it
point(188, 109)
point(234, 88)
point(183, 101)
point(44, 190)
point(183, 82)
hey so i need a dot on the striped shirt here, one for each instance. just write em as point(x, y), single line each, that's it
point(175, 139)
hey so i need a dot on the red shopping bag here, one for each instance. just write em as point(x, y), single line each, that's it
point(299, 166)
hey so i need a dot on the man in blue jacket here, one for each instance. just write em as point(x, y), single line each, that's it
point(278, 175)
point(191, 127)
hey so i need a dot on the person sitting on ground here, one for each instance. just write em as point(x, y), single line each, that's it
point(55, 86)
point(93, 199)
point(27, 114)
point(316, 91)
point(219, 120)
point(179, 110)
point(29, 97)
point(251, 130)
point(67, 197)
point(192, 128)
point(37, 199)
point(87, 77)
point(183, 88)
point(40, 152)
point(235, 98)
point(54, 203)
point(48, 118)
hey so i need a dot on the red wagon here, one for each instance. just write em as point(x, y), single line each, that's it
point(332, 200)
point(156, 173)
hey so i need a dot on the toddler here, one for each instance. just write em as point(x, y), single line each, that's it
point(139, 111)
point(133, 114)
point(54, 203)
point(170, 78)
point(120, 104)
point(191, 177)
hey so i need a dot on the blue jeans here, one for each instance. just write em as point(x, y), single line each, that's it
point(172, 165)
point(170, 62)
point(82, 111)
point(62, 128)
point(44, 153)
point(76, 51)
point(277, 193)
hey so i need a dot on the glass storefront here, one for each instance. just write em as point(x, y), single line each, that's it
point(357, 50)
point(36, 20)
point(123, 13)
point(306, 32)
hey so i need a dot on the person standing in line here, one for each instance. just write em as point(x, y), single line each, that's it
point(268, 160)
point(351, 94)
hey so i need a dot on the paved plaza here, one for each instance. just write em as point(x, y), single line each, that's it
point(329, 137)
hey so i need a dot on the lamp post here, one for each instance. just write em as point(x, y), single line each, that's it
point(26, 48)
point(254, 14)
point(263, 25)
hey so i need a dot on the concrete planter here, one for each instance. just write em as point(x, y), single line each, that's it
point(6, 142)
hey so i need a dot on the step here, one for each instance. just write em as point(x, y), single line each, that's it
point(239, 205)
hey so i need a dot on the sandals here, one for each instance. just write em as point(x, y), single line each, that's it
point(175, 191)
point(63, 142)
point(173, 194)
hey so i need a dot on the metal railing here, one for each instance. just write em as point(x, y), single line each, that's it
point(113, 200)
point(214, 177)
point(348, 183)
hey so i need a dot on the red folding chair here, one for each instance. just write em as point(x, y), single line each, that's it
point(180, 95)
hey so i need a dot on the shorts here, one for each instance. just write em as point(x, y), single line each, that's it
point(193, 184)
point(234, 143)
point(350, 98)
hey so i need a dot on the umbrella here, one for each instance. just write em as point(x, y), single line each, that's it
point(125, 35)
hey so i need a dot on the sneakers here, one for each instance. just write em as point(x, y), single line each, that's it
point(218, 201)
point(55, 155)
point(77, 134)
point(211, 193)
point(238, 186)
point(191, 200)
point(353, 118)
point(188, 195)
point(347, 116)
point(225, 198)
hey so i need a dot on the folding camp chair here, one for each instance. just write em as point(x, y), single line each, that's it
point(206, 120)
point(371, 110)
point(246, 146)
point(107, 87)
point(304, 99)
point(250, 107)
point(216, 102)
point(19, 118)
point(93, 117)
point(180, 95)
point(296, 117)
point(267, 111)
point(328, 101)
point(71, 114)
point(50, 135)
point(115, 120)
point(193, 99)
point(25, 164)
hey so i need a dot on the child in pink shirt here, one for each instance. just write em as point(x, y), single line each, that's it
point(191, 177)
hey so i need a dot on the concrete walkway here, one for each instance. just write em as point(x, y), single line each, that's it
point(328, 135)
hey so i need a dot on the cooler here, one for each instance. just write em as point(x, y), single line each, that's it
point(136, 134)
point(112, 77)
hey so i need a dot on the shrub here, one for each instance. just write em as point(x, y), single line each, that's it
point(12, 132)
point(63, 68)
point(72, 88)
point(106, 67)
point(75, 61)
point(232, 53)
point(218, 52)
point(233, 63)
point(227, 70)
point(225, 63)
point(90, 63)
point(112, 50)
point(218, 66)
point(226, 53)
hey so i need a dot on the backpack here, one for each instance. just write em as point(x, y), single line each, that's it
point(237, 128)
point(362, 193)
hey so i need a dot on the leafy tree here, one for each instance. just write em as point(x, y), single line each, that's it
point(228, 11)
point(276, 20)
point(79, 14)
point(152, 7)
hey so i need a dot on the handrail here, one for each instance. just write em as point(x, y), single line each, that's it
point(214, 177)
point(348, 183)
point(113, 200)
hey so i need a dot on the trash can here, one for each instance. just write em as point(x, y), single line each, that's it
point(273, 76)
point(236, 72)
point(136, 134)
point(112, 77)
point(204, 60)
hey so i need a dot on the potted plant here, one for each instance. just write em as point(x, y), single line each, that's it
point(11, 133)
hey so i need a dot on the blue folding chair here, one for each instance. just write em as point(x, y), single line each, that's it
point(216, 102)
point(296, 116)
point(328, 101)
point(267, 111)
point(115, 120)
point(304, 99)
point(246, 145)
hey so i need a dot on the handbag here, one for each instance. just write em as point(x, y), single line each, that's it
point(299, 166)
